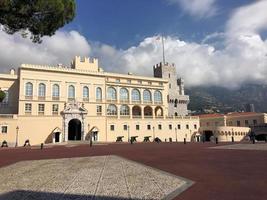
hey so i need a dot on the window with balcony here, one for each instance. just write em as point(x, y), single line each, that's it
point(71, 92)
point(28, 90)
point(85, 93)
point(124, 110)
point(41, 109)
point(98, 94)
point(111, 94)
point(55, 109)
point(99, 110)
point(124, 95)
point(41, 91)
point(55, 92)
point(157, 97)
point(147, 96)
point(136, 97)
point(28, 108)
point(112, 110)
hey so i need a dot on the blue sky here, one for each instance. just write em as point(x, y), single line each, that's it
point(124, 23)
point(211, 42)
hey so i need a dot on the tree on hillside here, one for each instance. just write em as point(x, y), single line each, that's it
point(35, 17)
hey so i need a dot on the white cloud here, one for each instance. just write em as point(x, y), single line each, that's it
point(197, 8)
point(242, 57)
point(60, 48)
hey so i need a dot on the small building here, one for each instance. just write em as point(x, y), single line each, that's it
point(232, 126)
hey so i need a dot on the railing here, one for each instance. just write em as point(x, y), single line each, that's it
point(6, 116)
point(136, 101)
point(124, 101)
point(158, 102)
point(41, 98)
point(55, 113)
point(111, 100)
point(55, 98)
point(41, 113)
point(86, 99)
point(99, 113)
point(147, 102)
point(28, 97)
point(148, 116)
point(99, 100)
point(124, 116)
point(137, 116)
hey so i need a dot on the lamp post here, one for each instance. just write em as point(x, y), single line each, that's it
point(176, 134)
point(153, 133)
point(128, 133)
point(17, 134)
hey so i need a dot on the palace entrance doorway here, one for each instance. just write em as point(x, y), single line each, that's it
point(74, 130)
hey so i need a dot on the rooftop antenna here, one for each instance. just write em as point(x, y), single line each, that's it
point(163, 48)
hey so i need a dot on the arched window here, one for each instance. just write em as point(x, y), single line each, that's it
point(157, 97)
point(148, 111)
point(55, 91)
point(112, 110)
point(136, 95)
point(71, 94)
point(147, 96)
point(136, 110)
point(28, 89)
point(111, 94)
point(86, 93)
point(41, 90)
point(98, 94)
point(124, 94)
point(158, 111)
point(124, 110)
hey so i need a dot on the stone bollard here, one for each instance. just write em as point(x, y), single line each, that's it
point(42, 146)
point(216, 140)
point(184, 141)
point(90, 143)
point(253, 140)
point(233, 140)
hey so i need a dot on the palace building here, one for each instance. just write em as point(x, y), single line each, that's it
point(54, 104)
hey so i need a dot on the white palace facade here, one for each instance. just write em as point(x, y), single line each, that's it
point(46, 104)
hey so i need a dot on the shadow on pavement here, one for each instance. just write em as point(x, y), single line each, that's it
point(33, 195)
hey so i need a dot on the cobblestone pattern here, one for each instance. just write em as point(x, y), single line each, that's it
point(99, 177)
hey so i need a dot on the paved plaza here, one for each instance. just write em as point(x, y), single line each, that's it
point(74, 172)
point(258, 146)
point(99, 177)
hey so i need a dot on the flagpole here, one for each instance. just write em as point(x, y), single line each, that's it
point(163, 50)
